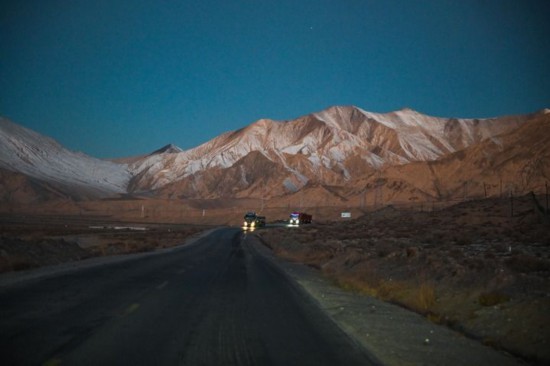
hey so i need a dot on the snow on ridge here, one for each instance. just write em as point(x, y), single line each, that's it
point(30, 153)
point(373, 160)
point(326, 117)
point(345, 131)
point(416, 148)
point(416, 134)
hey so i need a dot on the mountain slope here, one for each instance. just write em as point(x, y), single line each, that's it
point(514, 162)
point(331, 147)
point(27, 152)
point(343, 152)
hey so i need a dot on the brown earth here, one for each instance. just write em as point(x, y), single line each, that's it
point(473, 266)
point(480, 267)
point(31, 242)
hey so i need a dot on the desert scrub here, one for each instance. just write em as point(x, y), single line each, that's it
point(462, 240)
point(390, 290)
point(456, 253)
point(492, 298)
point(425, 298)
point(527, 263)
point(16, 263)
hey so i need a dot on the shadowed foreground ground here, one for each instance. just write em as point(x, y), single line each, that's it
point(472, 267)
point(216, 302)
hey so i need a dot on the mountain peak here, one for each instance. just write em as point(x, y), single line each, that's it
point(168, 149)
point(407, 110)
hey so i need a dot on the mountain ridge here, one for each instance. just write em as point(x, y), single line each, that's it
point(340, 146)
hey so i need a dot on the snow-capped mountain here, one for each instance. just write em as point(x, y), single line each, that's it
point(514, 162)
point(329, 147)
point(340, 150)
point(34, 155)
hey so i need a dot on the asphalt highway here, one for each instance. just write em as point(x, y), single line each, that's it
point(217, 301)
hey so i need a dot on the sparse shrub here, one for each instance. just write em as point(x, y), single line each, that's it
point(527, 263)
point(411, 252)
point(355, 284)
point(425, 297)
point(492, 298)
point(20, 264)
point(462, 240)
point(436, 318)
point(430, 239)
point(476, 263)
point(501, 248)
point(490, 342)
point(456, 253)
point(4, 265)
point(388, 289)
point(353, 258)
point(383, 252)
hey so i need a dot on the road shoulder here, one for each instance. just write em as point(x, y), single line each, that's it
point(390, 333)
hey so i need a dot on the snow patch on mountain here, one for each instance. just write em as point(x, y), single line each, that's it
point(329, 147)
point(25, 151)
point(328, 139)
point(289, 185)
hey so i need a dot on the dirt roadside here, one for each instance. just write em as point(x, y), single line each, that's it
point(472, 267)
point(479, 272)
point(27, 243)
point(393, 335)
point(68, 265)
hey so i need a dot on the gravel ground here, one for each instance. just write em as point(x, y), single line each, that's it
point(392, 334)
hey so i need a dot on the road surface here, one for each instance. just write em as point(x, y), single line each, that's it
point(215, 302)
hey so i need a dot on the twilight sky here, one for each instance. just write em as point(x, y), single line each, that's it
point(116, 78)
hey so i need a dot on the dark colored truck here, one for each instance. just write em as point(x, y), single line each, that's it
point(297, 218)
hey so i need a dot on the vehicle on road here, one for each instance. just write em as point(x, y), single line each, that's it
point(297, 218)
point(253, 220)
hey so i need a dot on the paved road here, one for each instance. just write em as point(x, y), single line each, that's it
point(215, 302)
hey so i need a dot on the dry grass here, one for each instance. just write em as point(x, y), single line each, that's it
point(492, 298)
point(24, 248)
point(15, 263)
point(463, 266)
point(425, 298)
point(525, 263)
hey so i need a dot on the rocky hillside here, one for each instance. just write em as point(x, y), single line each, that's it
point(342, 153)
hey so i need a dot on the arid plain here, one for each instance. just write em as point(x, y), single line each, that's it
point(480, 267)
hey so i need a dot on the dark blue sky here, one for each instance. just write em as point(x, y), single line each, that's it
point(121, 78)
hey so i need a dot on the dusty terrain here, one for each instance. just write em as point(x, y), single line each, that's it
point(480, 267)
point(29, 242)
